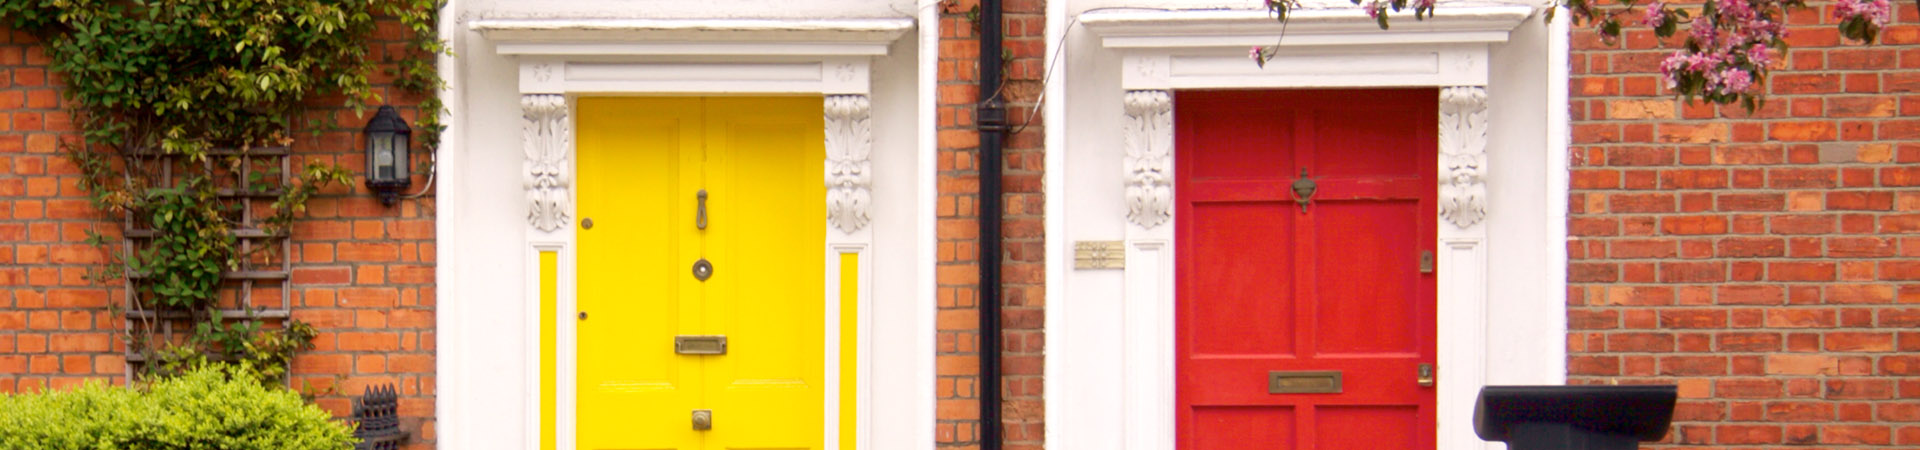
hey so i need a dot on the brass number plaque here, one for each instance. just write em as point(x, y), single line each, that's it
point(1303, 382)
point(700, 345)
point(1099, 255)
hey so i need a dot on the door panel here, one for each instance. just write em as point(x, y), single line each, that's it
point(643, 162)
point(632, 282)
point(1264, 286)
point(1229, 427)
point(1360, 294)
point(768, 225)
point(1362, 428)
point(1251, 301)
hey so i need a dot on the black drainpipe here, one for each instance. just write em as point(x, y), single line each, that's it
point(991, 115)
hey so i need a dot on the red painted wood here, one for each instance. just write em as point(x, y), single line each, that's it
point(1263, 286)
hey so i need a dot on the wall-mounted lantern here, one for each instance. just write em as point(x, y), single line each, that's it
point(388, 171)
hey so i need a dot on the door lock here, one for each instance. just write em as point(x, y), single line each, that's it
point(1425, 375)
point(702, 269)
point(702, 419)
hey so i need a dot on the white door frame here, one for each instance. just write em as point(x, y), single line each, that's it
point(560, 60)
point(1159, 52)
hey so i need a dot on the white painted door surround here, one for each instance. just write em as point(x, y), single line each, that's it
point(871, 171)
point(1501, 76)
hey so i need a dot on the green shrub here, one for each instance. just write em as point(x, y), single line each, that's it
point(208, 408)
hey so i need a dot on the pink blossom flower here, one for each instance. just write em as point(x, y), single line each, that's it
point(1702, 62)
point(1735, 11)
point(1703, 29)
point(1656, 14)
point(1877, 12)
point(1729, 43)
point(1670, 69)
point(1736, 80)
point(1758, 55)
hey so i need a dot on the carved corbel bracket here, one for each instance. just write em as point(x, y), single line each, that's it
point(1463, 155)
point(1149, 162)
point(545, 132)
point(849, 164)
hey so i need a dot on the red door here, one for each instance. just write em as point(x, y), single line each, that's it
point(1334, 291)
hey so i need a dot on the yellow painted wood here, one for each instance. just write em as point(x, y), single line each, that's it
point(638, 165)
point(766, 233)
point(849, 347)
point(641, 162)
point(549, 294)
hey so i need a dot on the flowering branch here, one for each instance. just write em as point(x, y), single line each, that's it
point(1729, 48)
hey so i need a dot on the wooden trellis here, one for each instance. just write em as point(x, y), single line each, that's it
point(247, 182)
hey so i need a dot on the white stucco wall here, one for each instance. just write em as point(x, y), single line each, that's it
point(1090, 400)
point(731, 9)
point(1527, 251)
point(485, 342)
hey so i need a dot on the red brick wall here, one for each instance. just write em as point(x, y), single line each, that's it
point(1765, 262)
point(53, 324)
point(363, 272)
point(1023, 266)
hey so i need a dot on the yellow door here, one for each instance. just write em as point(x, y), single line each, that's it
point(643, 163)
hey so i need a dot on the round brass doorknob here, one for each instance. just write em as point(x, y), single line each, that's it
point(703, 419)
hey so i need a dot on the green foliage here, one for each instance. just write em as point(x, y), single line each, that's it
point(417, 74)
point(294, 201)
point(157, 85)
point(191, 250)
point(267, 351)
point(207, 408)
point(191, 74)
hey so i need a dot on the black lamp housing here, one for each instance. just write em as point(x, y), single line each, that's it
point(389, 171)
point(1584, 417)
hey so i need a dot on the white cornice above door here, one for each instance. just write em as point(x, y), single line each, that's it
point(829, 56)
point(638, 37)
point(1200, 49)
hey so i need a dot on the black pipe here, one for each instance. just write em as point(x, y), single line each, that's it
point(991, 114)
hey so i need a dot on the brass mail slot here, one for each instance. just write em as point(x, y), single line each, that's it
point(700, 344)
point(1303, 382)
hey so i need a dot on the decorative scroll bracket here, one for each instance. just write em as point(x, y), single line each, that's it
point(1463, 155)
point(1149, 162)
point(849, 161)
point(545, 134)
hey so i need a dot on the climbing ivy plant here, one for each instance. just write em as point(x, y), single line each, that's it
point(171, 96)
